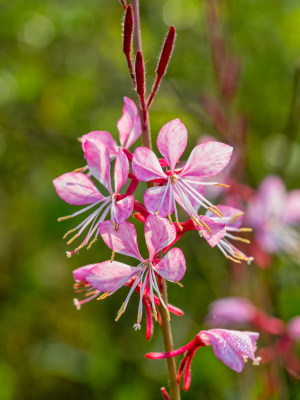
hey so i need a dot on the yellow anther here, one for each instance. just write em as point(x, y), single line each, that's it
point(196, 221)
point(206, 226)
point(245, 230)
point(156, 212)
point(73, 238)
point(90, 293)
point(91, 244)
point(120, 313)
point(69, 232)
point(242, 239)
point(79, 169)
point(236, 216)
point(178, 224)
point(170, 218)
point(240, 256)
point(215, 212)
point(64, 218)
point(138, 317)
point(103, 295)
point(112, 256)
point(168, 315)
point(154, 313)
point(179, 284)
point(222, 184)
point(234, 260)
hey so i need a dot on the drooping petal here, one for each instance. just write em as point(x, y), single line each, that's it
point(291, 212)
point(223, 351)
point(98, 162)
point(123, 209)
point(77, 189)
point(129, 125)
point(159, 233)
point(80, 274)
point(232, 217)
point(101, 139)
point(241, 342)
point(171, 141)
point(153, 200)
point(121, 170)
point(172, 266)
point(207, 159)
point(216, 233)
point(146, 166)
point(110, 276)
point(123, 241)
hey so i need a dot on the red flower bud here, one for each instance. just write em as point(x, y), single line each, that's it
point(128, 30)
point(140, 75)
point(166, 52)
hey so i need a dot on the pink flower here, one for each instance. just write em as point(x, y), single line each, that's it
point(231, 310)
point(232, 218)
point(182, 186)
point(231, 347)
point(109, 276)
point(129, 127)
point(293, 328)
point(78, 189)
point(273, 213)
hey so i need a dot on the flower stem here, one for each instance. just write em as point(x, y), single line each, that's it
point(146, 139)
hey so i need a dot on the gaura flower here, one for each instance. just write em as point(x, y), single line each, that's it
point(109, 276)
point(293, 328)
point(184, 185)
point(78, 189)
point(129, 127)
point(231, 310)
point(233, 219)
point(273, 214)
point(233, 348)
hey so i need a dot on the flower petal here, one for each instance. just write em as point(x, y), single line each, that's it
point(171, 141)
point(241, 342)
point(291, 212)
point(121, 170)
point(98, 162)
point(123, 209)
point(207, 159)
point(159, 233)
point(129, 125)
point(153, 200)
point(217, 230)
point(123, 241)
point(77, 189)
point(80, 274)
point(232, 217)
point(172, 266)
point(110, 276)
point(145, 165)
point(101, 139)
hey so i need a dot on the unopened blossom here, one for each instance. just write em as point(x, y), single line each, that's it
point(181, 186)
point(233, 219)
point(77, 188)
point(129, 127)
point(233, 348)
point(109, 276)
point(274, 215)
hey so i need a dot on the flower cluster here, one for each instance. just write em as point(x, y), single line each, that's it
point(108, 201)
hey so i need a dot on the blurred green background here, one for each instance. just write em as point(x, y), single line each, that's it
point(63, 74)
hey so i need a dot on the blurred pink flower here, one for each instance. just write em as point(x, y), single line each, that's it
point(230, 310)
point(109, 276)
point(129, 127)
point(231, 347)
point(77, 188)
point(182, 186)
point(272, 213)
point(293, 328)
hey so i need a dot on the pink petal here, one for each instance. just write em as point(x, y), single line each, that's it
point(101, 139)
point(110, 276)
point(80, 274)
point(123, 241)
point(171, 141)
point(291, 212)
point(159, 233)
point(172, 266)
point(207, 159)
point(231, 310)
point(129, 125)
point(124, 208)
point(121, 170)
point(293, 328)
point(241, 342)
point(153, 198)
point(77, 189)
point(218, 230)
point(223, 351)
point(232, 217)
point(146, 166)
point(98, 162)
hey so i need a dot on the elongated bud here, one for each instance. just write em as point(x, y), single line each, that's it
point(166, 52)
point(128, 30)
point(164, 393)
point(140, 75)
